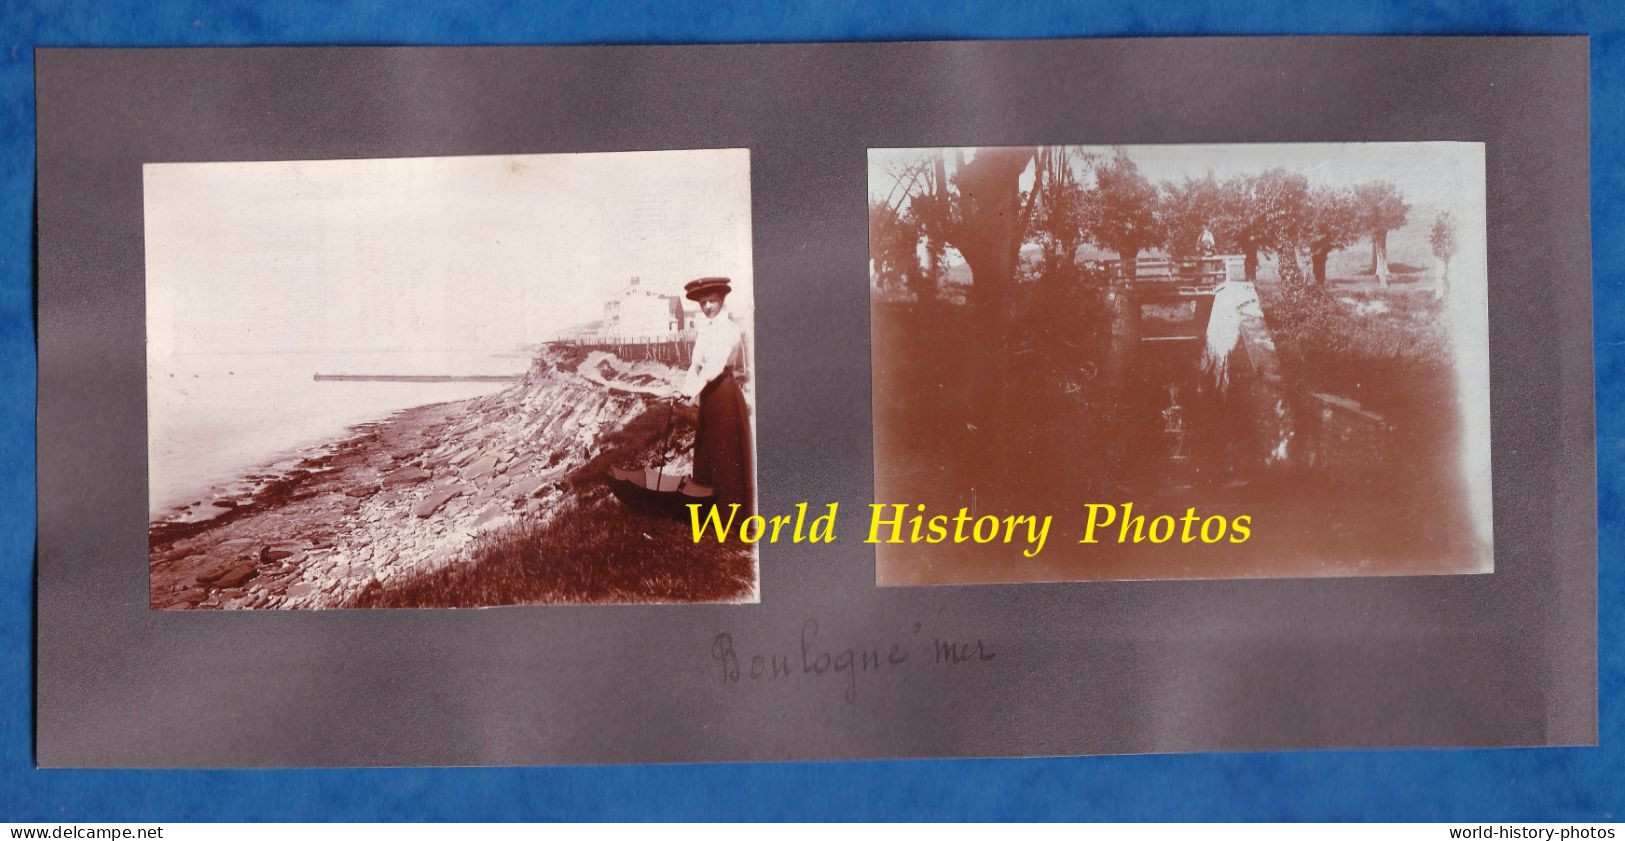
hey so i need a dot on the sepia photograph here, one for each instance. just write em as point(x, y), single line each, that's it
point(1204, 361)
point(448, 382)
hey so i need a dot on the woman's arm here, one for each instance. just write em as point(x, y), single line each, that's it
point(707, 364)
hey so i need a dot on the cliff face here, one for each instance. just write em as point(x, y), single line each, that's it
point(410, 494)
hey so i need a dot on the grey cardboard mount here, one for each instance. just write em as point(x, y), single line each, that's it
point(1507, 658)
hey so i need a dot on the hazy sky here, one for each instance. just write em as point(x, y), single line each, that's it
point(464, 254)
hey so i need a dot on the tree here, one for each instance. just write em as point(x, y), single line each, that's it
point(1381, 209)
point(893, 249)
point(937, 185)
point(984, 217)
point(1188, 208)
point(1331, 224)
point(1059, 215)
point(1264, 213)
point(1443, 238)
point(1121, 214)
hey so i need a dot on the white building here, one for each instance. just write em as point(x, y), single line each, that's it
point(637, 311)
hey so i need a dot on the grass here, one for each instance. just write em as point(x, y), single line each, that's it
point(639, 443)
point(1372, 345)
point(592, 550)
point(1386, 347)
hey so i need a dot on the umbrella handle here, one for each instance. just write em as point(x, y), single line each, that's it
point(665, 449)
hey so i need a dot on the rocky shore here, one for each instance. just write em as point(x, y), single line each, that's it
point(403, 496)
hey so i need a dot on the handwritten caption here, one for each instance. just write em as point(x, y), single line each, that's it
point(814, 659)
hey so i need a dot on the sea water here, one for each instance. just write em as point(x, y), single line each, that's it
point(215, 418)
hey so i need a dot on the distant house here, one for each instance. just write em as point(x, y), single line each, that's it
point(636, 310)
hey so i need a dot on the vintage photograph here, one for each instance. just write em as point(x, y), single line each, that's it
point(448, 382)
point(1157, 343)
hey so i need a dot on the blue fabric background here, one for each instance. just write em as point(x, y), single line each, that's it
point(1569, 784)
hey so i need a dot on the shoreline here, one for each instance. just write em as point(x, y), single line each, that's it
point(400, 496)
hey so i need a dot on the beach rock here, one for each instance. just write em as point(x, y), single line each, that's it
point(489, 517)
point(174, 555)
point(434, 500)
point(407, 476)
point(235, 577)
point(479, 468)
point(183, 599)
point(527, 488)
point(212, 567)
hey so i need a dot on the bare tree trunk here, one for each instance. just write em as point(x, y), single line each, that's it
point(1317, 260)
point(1379, 245)
point(1442, 287)
point(1251, 263)
point(1287, 268)
point(939, 189)
point(990, 184)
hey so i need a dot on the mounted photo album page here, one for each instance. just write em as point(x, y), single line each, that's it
point(752, 403)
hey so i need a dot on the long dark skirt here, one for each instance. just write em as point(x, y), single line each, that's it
point(722, 450)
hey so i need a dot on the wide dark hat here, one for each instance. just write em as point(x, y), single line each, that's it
point(697, 289)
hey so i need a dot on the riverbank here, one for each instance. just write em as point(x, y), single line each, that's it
point(424, 491)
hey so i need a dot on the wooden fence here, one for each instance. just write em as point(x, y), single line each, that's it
point(675, 349)
point(1194, 273)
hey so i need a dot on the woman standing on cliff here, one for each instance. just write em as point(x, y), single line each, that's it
point(722, 439)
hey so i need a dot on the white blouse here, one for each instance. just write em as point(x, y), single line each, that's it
point(720, 342)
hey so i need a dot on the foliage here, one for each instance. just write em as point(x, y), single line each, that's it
point(1058, 218)
point(984, 215)
point(1262, 213)
point(1121, 212)
point(592, 549)
point(1187, 208)
point(1273, 210)
point(1443, 237)
point(893, 246)
point(1379, 206)
point(1331, 222)
point(1375, 359)
point(1050, 381)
